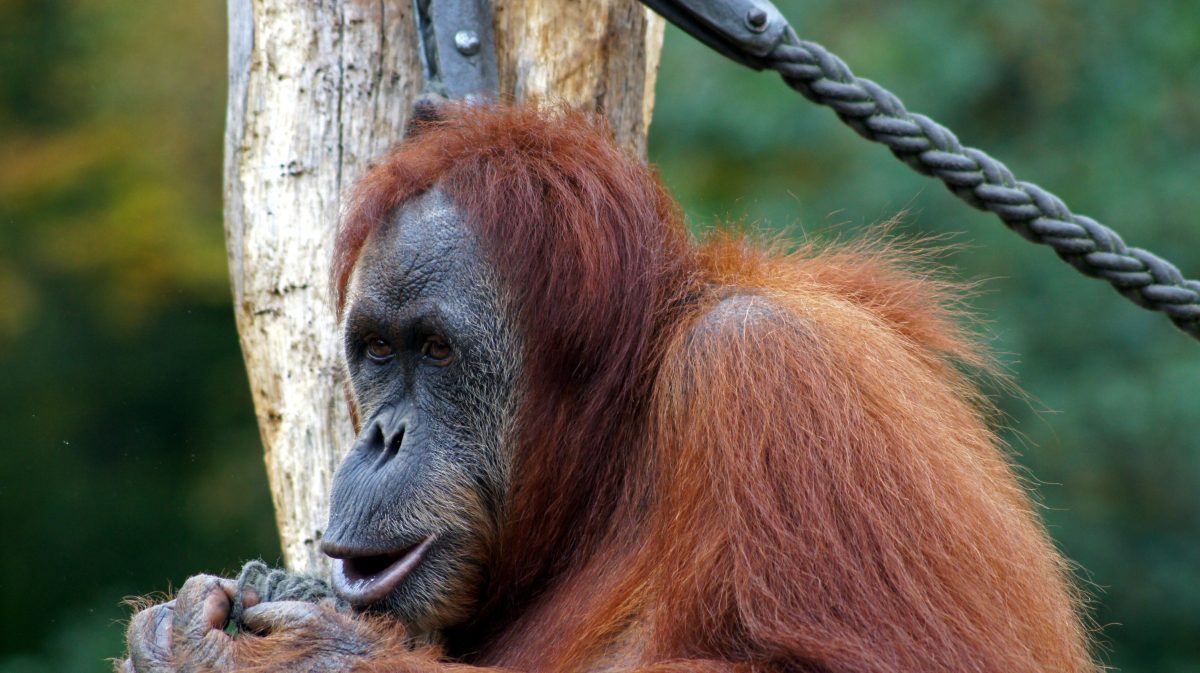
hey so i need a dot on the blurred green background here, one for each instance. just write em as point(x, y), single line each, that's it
point(129, 458)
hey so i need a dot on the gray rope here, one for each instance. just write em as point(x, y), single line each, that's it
point(983, 182)
point(273, 584)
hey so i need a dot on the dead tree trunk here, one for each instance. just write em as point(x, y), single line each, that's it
point(316, 90)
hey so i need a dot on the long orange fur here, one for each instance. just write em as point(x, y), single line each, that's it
point(731, 458)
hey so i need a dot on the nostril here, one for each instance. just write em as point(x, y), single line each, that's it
point(393, 445)
point(390, 445)
point(377, 435)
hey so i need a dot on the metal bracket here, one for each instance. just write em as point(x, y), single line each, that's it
point(743, 30)
point(458, 48)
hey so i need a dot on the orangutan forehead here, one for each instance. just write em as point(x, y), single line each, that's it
point(425, 248)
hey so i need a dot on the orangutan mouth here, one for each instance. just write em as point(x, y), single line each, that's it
point(365, 579)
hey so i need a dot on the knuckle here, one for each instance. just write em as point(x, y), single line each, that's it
point(203, 606)
point(138, 623)
point(149, 626)
point(198, 585)
point(149, 640)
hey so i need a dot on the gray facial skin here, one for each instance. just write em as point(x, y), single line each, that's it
point(416, 502)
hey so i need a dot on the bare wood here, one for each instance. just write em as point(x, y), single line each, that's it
point(316, 90)
point(598, 55)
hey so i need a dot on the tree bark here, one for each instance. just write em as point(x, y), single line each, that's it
point(316, 91)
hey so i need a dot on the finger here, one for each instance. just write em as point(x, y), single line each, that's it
point(275, 616)
point(202, 606)
point(150, 639)
point(250, 597)
point(201, 610)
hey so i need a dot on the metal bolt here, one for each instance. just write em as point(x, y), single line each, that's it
point(467, 42)
point(757, 19)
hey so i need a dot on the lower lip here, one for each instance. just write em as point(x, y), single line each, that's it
point(364, 591)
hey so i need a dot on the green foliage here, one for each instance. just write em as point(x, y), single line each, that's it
point(129, 457)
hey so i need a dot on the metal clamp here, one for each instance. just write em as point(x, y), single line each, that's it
point(458, 48)
point(743, 30)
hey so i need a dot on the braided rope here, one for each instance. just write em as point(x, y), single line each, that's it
point(983, 182)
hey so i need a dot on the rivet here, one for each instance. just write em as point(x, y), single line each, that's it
point(467, 42)
point(757, 19)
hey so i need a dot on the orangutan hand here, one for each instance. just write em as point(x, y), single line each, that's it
point(187, 635)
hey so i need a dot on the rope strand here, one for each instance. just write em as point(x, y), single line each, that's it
point(987, 184)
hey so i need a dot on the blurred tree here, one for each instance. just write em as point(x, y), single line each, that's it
point(128, 453)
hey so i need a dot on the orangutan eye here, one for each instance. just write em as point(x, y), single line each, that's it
point(378, 349)
point(437, 349)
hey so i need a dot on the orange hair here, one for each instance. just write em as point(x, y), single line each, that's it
point(729, 457)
